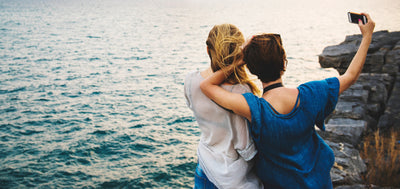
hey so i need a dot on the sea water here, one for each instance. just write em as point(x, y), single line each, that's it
point(91, 92)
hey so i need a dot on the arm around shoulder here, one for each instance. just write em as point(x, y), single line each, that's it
point(232, 101)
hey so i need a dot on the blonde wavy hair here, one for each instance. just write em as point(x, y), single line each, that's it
point(224, 48)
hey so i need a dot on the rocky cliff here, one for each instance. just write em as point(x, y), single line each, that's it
point(372, 102)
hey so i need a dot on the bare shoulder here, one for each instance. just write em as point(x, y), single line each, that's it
point(284, 93)
point(283, 99)
point(289, 96)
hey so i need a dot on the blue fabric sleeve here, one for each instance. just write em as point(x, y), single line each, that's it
point(252, 102)
point(331, 86)
point(255, 109)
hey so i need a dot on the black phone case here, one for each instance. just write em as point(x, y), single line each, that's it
point(353, 18)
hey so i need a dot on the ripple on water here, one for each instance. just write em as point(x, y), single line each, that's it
point(8, 110)
point(56, 155)
point(101, 133)
point(185, 119)
point(72, 95)
point(128, 183)
point(106, 149)
point(28, 132)
point(16, 90)
point(138, 126)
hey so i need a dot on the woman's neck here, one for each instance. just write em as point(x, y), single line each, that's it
point(271, 82)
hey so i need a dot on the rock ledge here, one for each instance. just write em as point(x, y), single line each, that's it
point(372, 103)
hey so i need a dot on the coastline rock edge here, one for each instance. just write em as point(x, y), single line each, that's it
point(372, 103)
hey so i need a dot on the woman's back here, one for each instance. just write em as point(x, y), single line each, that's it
point(225, 147)
point(291, 154)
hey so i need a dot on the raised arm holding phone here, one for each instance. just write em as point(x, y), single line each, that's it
point(290, 152)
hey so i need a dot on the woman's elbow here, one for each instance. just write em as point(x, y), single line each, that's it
point(205, 87)
point(346, 81)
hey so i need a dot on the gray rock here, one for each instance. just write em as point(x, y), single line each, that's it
point(392, 57)
point(391, 69)
point(378, 93)
point(397, 46)
point(378, 87)
point(340, 50)
point(356, 186)
point(372, 102)
point(374, 109)
point(330, 61)
point(374, 62)
point(392, 61)
point(382, 38)
point(384, 45)
point(369, 80)
point(360, 186)
point(349, 129)
point(355, 93)
point(391, 116)
point(348, 165)
point(351, 110)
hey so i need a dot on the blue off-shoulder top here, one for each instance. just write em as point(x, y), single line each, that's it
point(290, 152)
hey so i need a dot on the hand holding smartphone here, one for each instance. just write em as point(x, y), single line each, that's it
point(354, 17)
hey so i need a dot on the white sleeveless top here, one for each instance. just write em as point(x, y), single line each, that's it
point(225, 149)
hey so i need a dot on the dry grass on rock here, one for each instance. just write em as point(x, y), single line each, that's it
point(381, 152)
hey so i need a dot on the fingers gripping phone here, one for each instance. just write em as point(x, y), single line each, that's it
point(354, 17)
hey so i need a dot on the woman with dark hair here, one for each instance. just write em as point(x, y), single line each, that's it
point(290, 152)
point(226, 150)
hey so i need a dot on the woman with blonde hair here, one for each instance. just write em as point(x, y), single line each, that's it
point(225, 148)
point(282, 122)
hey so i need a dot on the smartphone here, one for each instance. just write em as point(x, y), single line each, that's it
point(354, 17)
